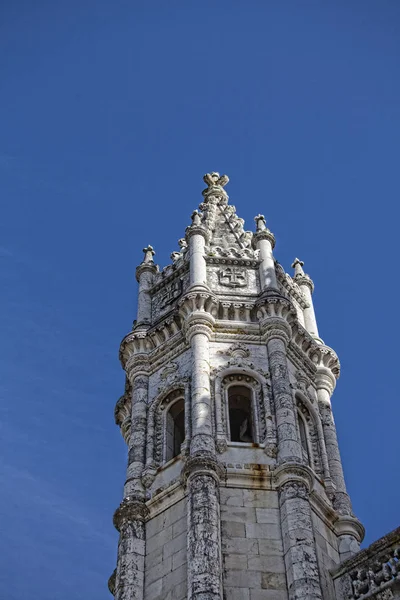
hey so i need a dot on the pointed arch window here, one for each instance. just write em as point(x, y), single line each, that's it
point(241, 422)
point(175, 429)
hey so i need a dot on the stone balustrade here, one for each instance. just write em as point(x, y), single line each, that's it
point(371, 573)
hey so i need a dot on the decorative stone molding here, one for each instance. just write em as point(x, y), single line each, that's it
point(128, 511)
point(300, 277)
point(275, 311)
point(236, 351)
point(156, 424)
point(373, 572)
point(122, 415)
point(289, 286)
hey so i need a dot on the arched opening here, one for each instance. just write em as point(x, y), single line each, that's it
point(175, 429)
point(303, 439)
point(240, 414)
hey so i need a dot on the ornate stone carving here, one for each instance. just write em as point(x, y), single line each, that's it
point(129, 510)
point(169, 370)
point(233, 277)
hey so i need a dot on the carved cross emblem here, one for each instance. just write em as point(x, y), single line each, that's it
point(233, 277)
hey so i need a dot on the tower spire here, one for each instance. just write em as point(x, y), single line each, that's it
point(234, 486)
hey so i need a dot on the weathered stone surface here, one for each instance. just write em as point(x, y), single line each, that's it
point(218, 504)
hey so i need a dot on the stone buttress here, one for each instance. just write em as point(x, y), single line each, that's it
point(235, 486)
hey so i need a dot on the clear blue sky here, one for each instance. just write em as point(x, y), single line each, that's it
point(110, 113)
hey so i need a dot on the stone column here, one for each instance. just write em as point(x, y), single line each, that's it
point(145, 275)
point(293, 479)
point(129, 520)
point(196, 236)
point(303, 579)
point(201, 409)
point(202, 470)
point(264, 241)
point(277, 335)
point(137, 441)
point(325, 383)
point(204, 557)
point(349, 530)
point(307, 287)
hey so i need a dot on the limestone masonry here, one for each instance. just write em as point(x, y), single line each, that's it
point(235, 486)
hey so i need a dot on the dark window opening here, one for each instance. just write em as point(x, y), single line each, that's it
point(175, 429)
point(303, 440)
point(240, 420)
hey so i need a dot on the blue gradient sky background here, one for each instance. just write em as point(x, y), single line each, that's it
point(110, 113)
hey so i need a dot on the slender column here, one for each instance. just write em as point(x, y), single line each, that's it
point(202, 432)
point(145, 275)
point(294, 484)
point(137, 442)
point(325, 383)
point(277, 333)
point(129, 520)
point(196, 236)
point(202, 472)
point(307, 287)
point(203, 525)
point(264, 241)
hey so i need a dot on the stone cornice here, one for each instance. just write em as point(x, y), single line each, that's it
point(232, 260)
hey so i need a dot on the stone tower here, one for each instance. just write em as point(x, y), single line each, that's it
point(234, 485)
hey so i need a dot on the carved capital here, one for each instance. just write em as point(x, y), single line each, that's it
point(136, 342)
point(197, 230)
point(294, 473)
point(263, 234)
point(325, 380)
point(202, 464)
point(136, 366)
point(304, 279)
point(149, 267)
point(347, 525)
point(325, 359)
point(276, 327)
point(129, 511)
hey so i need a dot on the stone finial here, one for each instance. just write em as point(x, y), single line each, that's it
point(215, 187)
point(148, 254)
point(212, 179)
point(175, 256)
point(298, 267)
point(196, 219)
point(260, 223)
point(182, 244)
point(300, 277)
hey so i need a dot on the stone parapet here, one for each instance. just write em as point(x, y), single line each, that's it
point(371, 573)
